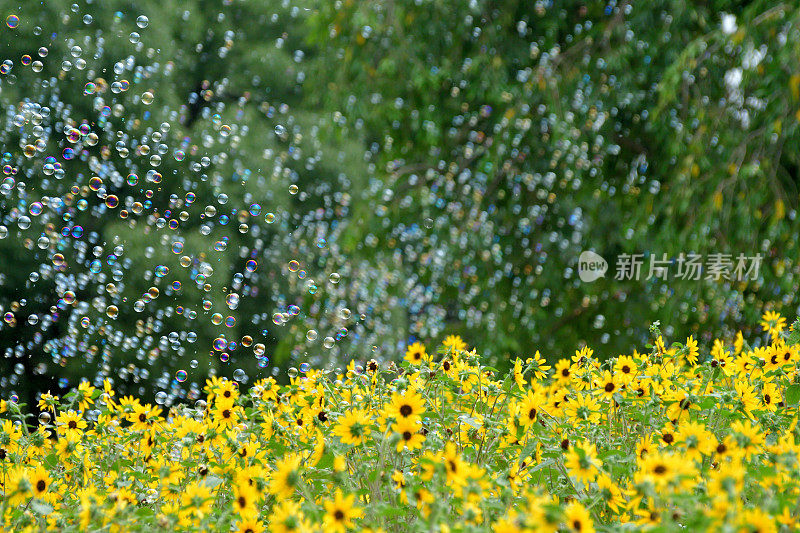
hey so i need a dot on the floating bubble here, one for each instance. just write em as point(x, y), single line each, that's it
point(12, 21)
point(181, 375)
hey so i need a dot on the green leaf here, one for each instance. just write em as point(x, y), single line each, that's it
point(41, 507)
point(212, 481)
point(793, 394)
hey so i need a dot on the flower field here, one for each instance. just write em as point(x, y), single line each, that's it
point(673, 437)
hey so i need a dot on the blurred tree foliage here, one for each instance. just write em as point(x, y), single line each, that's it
point(513, 135)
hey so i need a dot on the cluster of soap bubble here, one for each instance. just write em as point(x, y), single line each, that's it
point(161, 237)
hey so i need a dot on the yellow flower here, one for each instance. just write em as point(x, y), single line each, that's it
point(288, 518)
point(530, 407)
point(538, 365)
point(143, 417)
point(410, 436)
point(197, 499)
point(340, 512)
point(696, 440)
point(454, 343)
point(454, 466)
point(773, 323)
point(577, 518)
point(607, 385)
point(250, 525)
point(244, 500)
point(415, 353)
point(625, 369)
point(582, 408)
point(17, 487)
point(84, 395)
point(610, 493)
point(70, 423)
point(563, 371)
point(582, 462)
point(40, 482)
point(409, 405)
point(692, 353)
point(353, 427)
point(286, 477)
point(47, 402)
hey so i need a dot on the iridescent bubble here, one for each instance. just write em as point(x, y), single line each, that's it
point(220, 344)
point(36, 208)
point(12, 21)
point(232, 300)
point(294, 266)
point(181, 375)
point(304, 367)
point(311, 335)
